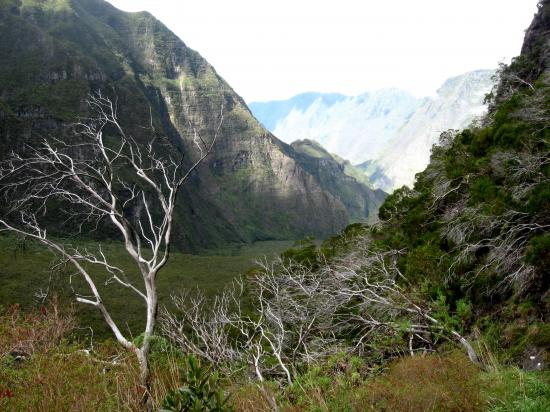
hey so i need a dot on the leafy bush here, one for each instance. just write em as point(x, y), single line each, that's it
point(539, 201)
point(538, 251)
point(483, 190)
point(330, 382)
point(200, 391)
point(305, 252)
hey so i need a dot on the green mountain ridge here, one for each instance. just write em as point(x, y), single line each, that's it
point(252, 187)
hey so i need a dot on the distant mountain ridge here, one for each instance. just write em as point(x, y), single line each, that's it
point(390, 129)
point(355, 127)
point(53, 53)
point(272, 112)
point(458, 102)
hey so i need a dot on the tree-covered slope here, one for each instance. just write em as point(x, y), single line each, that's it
point(53, 53)
point(470, 242)
point(475, 229)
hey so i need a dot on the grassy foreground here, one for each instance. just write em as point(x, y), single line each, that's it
point(43, 368)
point(26, 270)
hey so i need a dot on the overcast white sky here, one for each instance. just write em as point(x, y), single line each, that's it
point(270, 50)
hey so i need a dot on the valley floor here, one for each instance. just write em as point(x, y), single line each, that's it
point(25, 274)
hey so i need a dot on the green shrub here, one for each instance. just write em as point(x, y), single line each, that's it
point(304, 252)
point(538, 251)
point(453, 319)
point(483, 190)
point(200, 391)
point(481, 141)
point(539, 201)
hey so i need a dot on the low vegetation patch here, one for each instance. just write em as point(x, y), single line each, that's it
point(44, 366)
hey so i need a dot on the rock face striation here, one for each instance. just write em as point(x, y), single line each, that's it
point(53, 53)
point(458, 102)
point(339, 177)
point(388, 133)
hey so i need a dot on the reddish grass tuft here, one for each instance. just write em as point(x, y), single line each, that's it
point(23, 334)
point(430, 383)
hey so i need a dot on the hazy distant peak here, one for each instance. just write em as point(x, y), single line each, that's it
point(469, 79)
point(390, 127)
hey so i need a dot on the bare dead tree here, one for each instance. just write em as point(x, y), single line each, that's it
point(505, 238)
point(103, 175)
point(289, 322)
point(295, 314)
point(380, 302)
point(505, 84)
point(203, 326)
point(535, 109)
point(299, 315)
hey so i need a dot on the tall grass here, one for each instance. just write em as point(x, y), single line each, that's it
point(45, 367)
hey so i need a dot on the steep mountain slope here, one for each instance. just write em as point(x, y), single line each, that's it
point(389, 129)
point(458, 102)
point(476, 225)
point(54, 52)
point(470, 241)
point(338, 176)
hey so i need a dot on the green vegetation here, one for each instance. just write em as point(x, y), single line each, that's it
point(475, 226)
point(55, 5)
point(44, 366)
point(311, 148)
point(25, 269)
point(512, 390)
point(55, 52)
point(369, 319)
point(200, 391)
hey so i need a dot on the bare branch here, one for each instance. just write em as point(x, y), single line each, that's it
point(102, 175)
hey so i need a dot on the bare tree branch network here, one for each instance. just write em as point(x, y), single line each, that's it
point(100, 176)
point(296, 316)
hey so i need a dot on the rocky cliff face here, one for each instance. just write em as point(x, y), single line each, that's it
point(390, 130)
point(533, 63)
point(54, 52)
point(338, 177)
point(536, 45)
